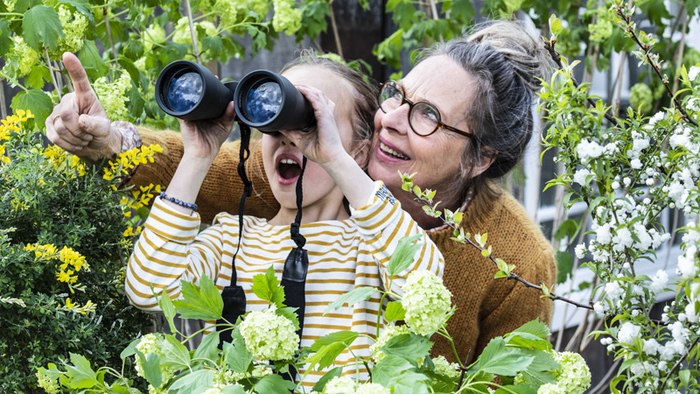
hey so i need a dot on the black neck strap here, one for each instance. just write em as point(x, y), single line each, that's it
point(244, 153)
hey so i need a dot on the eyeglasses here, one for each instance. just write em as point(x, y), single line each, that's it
point(423, 117)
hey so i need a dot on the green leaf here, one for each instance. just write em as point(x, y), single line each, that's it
point(535, 327)
point(499, 360)
point(91, 60)
point(540, 371)
point(81, 374)
point(6, 42)
point(326, 355)
point(321, 384)
point(411, 347)
point(564, 266)
point(527, 341)
point(462, 10)
point(200, 303)
point(404, 255)
point(274, 384)
point(236, 355)
point(166, 305)
point(411, 383)
point(233, 390)
point(389, 368)
point(134, 49)
point(37, 76)
point(131, 349)
point(192, 382)
point(36, 101)
point(517, 389)
point(213, 45)
point(359, 294)
point(568, 228)
point(344, 337)
point(208, 349)
point(394, 311)
point(175, 354)
point(81, 6)
point(41, 25)
point(150, 368)
point(267, 288)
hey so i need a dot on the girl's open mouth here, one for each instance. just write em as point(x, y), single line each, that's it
point(288, 169)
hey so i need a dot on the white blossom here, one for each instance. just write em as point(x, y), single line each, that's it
point(628, 332)
point(580, 251)
point(588, 150)
point(693, 73)
point(603, 234)
point(659, 282)
point(580, 176)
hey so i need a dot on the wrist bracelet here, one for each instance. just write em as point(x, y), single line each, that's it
point(178, 202)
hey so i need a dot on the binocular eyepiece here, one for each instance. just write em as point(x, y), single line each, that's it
point(263, 100)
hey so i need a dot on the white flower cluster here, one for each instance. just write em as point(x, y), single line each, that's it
point(386, 334)
point(269, 336)
point(446, 368)
point(22, 58)
point(228, 377)
point(234, 12)
point(580, 176)
point(346, 385)
point(287, 18)
point(588, 150)
point(693, 73)
point(573, 377)
point(688, 262)
point(153, 35)
point(426, 301)
point(113, 95)
point(74, 25)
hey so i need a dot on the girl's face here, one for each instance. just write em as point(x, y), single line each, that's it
point(282, 159)
point(435, 158)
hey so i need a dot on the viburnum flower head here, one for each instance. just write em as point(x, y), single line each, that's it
point(148, 345)
point(446, 368)
point(386, 334)
point(426, 301)
point(269, 336)
point(287, 18)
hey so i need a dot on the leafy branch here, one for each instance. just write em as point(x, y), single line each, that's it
point(645, 43)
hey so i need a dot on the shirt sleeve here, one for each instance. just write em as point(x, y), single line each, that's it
point(170, 250)
point(382, 223)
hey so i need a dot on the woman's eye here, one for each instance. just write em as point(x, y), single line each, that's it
point(430, 114)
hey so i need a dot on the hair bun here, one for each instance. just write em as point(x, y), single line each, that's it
point(528, 56)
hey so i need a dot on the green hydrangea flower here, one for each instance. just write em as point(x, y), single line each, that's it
point(446, 368)
point(113, 95)
point(641, 98)
point(426, 301)
point(287, 18)
point(269, 336)
point(388, 333)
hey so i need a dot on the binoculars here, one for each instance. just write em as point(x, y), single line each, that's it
point(263, 100)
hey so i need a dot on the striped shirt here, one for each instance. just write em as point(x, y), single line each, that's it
point(343, 255)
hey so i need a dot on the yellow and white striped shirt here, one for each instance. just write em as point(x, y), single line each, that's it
point(342, 254)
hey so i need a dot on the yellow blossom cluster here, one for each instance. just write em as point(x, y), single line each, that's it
point(71, 262)
point(75, 307)
point(8, 125)
point(128, 160)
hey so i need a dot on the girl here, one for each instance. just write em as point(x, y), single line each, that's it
point(345, 249)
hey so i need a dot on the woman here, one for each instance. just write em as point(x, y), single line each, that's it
point(460, 119)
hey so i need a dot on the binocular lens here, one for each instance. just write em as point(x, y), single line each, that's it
point(264, 102)
point(185, 91)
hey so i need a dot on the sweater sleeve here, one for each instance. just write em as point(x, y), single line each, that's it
point(222, 187)
point(382, 223)
point(168, 251)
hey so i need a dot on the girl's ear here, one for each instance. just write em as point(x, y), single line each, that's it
point(361, 153)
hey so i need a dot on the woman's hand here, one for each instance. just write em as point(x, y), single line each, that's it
point(322, 144)
point(203, 138)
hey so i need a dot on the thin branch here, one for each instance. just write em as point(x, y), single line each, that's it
point(53, 77)
point(677, 365)
point(66, 79)
point(647, 55)
point(681, 48)
point(3, 103)
point(109, 34)
point(193, 33)
point(336, 36)
point(549, 46)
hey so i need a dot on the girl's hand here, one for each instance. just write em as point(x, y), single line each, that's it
point(203, 138)
point(322, 144)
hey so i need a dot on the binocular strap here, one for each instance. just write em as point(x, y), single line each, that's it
point(295, 268)
point(233, 295)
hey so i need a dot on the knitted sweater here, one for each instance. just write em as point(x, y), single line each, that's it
point(486, 307)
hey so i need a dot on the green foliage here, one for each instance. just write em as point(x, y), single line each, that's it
point(61, 253)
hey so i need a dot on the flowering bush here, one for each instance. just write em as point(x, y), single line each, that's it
point(265, 344)
point(61, 253)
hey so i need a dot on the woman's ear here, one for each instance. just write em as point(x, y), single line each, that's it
point(361, 153)
point(487, 157)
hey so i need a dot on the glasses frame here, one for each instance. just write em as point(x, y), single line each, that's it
point(412, 105)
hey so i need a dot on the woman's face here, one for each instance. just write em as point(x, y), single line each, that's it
point(435, 158)
point(282, 159)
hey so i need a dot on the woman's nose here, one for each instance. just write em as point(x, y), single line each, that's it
point(396, 119)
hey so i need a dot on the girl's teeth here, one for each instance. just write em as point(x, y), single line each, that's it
point(288, 161)
point(392, 152)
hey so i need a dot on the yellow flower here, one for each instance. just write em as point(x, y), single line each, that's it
point(129, 232)
point(64, 276)
point(127, 214)
point(69, 304)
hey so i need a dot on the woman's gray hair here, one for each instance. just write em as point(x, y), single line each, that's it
point(506, 64)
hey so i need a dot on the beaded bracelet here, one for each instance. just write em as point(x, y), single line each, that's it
point(178, 202)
